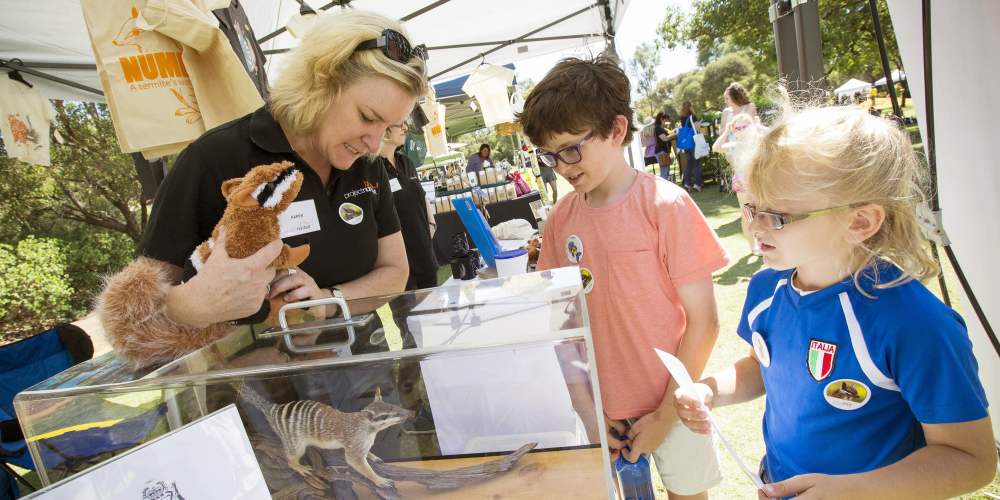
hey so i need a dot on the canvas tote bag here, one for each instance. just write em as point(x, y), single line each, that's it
point(145, 81)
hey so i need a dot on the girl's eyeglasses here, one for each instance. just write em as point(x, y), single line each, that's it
point(395, 46)
point(776, 221)
point(570, 155)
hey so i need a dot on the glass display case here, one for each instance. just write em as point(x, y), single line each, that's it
point(476, 389)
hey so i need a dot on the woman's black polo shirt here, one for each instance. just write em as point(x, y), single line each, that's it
point(411, 207)
point(190, 202)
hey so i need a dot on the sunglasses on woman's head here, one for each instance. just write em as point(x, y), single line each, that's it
point(395, 46)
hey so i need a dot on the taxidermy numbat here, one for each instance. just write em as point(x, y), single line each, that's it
point(254, 203)
point(304, 423)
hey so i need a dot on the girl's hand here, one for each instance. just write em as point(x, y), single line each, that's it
point(616, 430)
point(692, 403)
point(810, 487)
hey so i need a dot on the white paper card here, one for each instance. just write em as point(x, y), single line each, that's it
point(299, 218)
point(683, 378)
point(394, 184)
point(209, 458)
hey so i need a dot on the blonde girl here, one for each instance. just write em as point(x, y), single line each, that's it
point(872, 387)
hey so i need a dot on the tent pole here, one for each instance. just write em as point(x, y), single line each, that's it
point(880, 38)
point(932, 163)
point(21, 67)
point(898, 113)
point(523, 40)
point(423, 10)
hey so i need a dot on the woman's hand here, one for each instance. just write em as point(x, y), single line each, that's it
point(295, 285)
point(692, 403)
point(224, 288)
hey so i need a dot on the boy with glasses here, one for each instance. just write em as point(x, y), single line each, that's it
point(648, 255)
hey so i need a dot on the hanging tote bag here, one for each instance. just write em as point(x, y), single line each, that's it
point(143, 76)
point(701, 147)
point(685, 136)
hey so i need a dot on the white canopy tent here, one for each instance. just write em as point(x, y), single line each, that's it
point(897, 75)
point(963, 45)
point(50, 36)
point(852, 86)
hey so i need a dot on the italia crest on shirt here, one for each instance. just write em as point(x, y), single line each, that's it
point(820, 361)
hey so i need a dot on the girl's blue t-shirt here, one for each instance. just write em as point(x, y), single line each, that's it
point(850, 379)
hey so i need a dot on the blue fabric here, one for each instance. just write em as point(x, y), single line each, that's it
point(74, 448)
point(912, 338)
point(28, 362)
point(22, 365)
point(685, 135)
point(8, 486)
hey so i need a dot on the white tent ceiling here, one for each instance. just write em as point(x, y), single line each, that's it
point(52, 31)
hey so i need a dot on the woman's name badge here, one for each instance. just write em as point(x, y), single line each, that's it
point(299, 218)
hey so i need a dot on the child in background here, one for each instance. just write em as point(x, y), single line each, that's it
point(647, 256)
point(872, 387)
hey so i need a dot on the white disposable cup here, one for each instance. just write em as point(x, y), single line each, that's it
point(512, 266)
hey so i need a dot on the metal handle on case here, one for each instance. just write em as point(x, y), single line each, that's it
point(331, 346)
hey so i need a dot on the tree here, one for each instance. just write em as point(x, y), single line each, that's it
point(67, 225)
point(92, 182)
point(849, 47)
point(689, 88)
point(643, 69)
point(718, 74)
point(34, 286)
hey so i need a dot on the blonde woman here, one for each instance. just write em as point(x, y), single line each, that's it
point(354, 76)
point(843, 335)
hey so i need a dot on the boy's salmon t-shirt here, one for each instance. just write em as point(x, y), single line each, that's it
point(633, 255)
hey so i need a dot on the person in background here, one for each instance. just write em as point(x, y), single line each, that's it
point(648, 140)
point(416, 222)
point(549, 178)
point(737, 103)
point(692, 166)
point(416, 216)
point(479, 160)
point(664, 143)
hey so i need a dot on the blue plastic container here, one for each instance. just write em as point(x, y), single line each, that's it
point(634, 480)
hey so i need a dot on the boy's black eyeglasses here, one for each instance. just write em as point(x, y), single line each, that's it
point(395, 46)
point(570, 155)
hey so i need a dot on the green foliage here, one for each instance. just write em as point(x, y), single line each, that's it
point(643, 69)
point(732, 67)
point(35, 288)
point(849, 49)
point(67, 224)
point(90, 256)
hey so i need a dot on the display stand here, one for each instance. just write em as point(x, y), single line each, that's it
point(449, 224)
